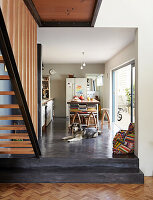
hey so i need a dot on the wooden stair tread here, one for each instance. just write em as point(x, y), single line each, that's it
point(12, 127)
point(7, 93)
point(15, 144)
point(4, 77)
point(1, 59)
point(16, 151)
point(14, 136)
point(9, 106)
point(11, 117)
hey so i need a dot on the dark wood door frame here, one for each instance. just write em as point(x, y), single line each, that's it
point(39, 83)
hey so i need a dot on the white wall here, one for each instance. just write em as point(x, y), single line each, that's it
point(137, 13)
point(58, 81)
point(125, 55)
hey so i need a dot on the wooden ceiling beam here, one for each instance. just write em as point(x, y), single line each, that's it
point(30, 5)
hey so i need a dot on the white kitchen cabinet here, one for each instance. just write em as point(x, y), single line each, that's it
point(43, 115)
point(49, 112)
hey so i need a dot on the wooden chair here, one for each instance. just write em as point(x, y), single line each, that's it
point(105, 112)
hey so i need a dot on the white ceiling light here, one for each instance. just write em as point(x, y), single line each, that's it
point(83, 64)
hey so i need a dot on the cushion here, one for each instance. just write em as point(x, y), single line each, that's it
point(130, 145)
point(131, 128)
point(130, 134)
point(120, 136)
point(124, 149)
point(123, 142)
point(130, 138)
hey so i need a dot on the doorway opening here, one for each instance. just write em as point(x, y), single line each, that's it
point(123, 95)
point(68, 88)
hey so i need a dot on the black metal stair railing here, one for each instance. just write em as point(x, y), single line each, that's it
point(10, 63)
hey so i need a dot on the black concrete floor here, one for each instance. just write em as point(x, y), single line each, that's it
point(52, 144)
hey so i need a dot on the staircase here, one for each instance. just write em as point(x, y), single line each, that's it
point(17, 134)
point(15, 142)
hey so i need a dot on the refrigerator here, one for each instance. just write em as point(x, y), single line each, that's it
point(75, 87)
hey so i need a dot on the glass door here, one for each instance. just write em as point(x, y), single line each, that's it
point(123, 93)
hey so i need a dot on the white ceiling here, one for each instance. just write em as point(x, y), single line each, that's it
point(65, 45)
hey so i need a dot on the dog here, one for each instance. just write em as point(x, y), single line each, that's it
point(90, 133)
point(79, 133)
point(76, 131)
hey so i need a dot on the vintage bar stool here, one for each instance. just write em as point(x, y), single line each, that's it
point(94, 121)
point(74, 117)
point(105, 112)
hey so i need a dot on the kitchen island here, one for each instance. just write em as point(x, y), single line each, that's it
point(83, 109)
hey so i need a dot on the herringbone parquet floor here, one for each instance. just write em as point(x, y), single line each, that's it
point(48, 191)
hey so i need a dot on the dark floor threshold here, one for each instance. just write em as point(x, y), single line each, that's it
point(49, 176)
point(67, 170)
point(69, 162)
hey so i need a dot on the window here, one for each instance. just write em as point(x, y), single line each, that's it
point(100, 80)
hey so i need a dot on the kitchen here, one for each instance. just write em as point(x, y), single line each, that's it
point(89, 85)
point(60, 92)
